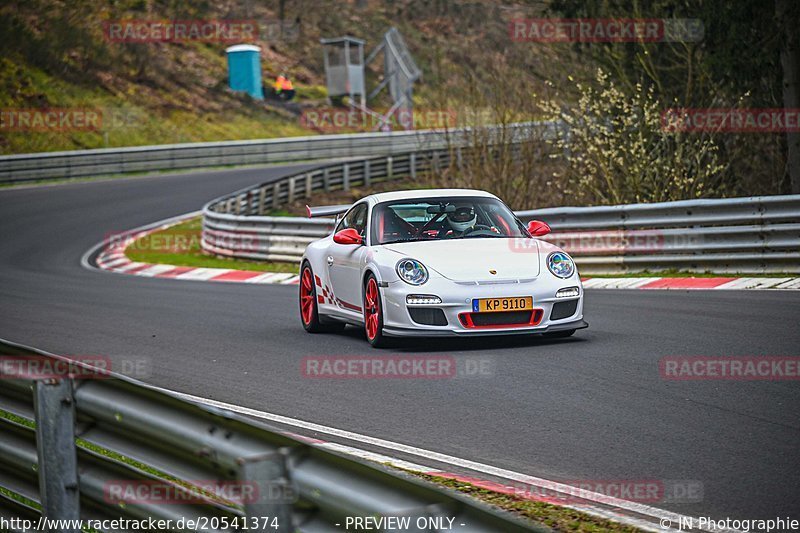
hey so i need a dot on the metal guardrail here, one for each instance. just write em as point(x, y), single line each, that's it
point(106, 161)
point(85, 163)
point(235, 225)
point(753, 235)
point(136, 436)
point(738, 235)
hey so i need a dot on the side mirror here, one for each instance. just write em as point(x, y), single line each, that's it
point(537, 228)
point(347, 236)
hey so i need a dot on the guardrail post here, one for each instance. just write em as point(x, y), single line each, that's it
point(309, 182)
point(276, 195)
point(437, 166)
point(367, 177)
point(389, 168)
point(55, 447)
point(237, 205)
point(326, 179)
point(292, 185)
point(273, 494)
point(346, 177)
point(262, 197)
point(412, 165)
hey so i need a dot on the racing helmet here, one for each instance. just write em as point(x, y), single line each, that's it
point(463, 218)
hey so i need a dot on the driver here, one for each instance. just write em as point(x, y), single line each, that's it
point(462, 220)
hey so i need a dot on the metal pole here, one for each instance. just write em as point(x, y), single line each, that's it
point(262, 194)
point(276, 195)
point(367, 178)
point(272, 490)
point(389, 168)
point(55, 447)
point(412, 163)
point(309, 182)
point(346, 177)
point(292, 185)
point(363, 77)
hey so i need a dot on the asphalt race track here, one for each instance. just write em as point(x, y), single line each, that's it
point(593, 407)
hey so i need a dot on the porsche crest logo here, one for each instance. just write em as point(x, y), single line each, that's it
point(493, 272)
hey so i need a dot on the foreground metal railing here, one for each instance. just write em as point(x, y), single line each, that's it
point(738, 235)
point(144, 453)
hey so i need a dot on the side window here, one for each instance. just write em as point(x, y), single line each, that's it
point(356, 218)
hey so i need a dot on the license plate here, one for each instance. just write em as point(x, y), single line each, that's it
point(493, 305)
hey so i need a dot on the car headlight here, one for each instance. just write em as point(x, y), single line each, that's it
point(560, 264)
point(412, 271)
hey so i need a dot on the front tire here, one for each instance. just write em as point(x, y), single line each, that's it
point(309, 311)
point(373, 313)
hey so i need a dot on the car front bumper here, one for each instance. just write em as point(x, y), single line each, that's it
point(456, 300)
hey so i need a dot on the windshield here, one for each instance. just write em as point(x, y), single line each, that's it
point(443, 218)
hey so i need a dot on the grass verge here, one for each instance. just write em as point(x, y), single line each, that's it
point(560, 519)
point(179, 245)
point(553, 516)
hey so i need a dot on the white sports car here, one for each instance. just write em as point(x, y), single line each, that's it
point(437, 262)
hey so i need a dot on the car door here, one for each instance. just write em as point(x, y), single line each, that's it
point(344, 261)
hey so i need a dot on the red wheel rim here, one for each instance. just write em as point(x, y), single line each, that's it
point(372, 309)
point(307, 297)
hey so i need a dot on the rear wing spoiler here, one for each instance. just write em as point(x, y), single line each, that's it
point(326, 210)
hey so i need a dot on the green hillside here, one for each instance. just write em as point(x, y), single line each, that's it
point(58, 54)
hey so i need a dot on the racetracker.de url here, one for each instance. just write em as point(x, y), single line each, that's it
point(200, 523)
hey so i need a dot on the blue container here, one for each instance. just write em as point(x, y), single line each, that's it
point(244, 69)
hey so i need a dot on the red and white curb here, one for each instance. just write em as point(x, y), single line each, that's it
point(112, 258)
point(691, 283)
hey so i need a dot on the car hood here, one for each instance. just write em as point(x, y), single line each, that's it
point(474, 259)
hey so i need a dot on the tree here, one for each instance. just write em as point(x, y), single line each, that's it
point(788, 18)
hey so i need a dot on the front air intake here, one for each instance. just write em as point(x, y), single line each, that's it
point(564, 309)
point(504, 319)
point(427, 316)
